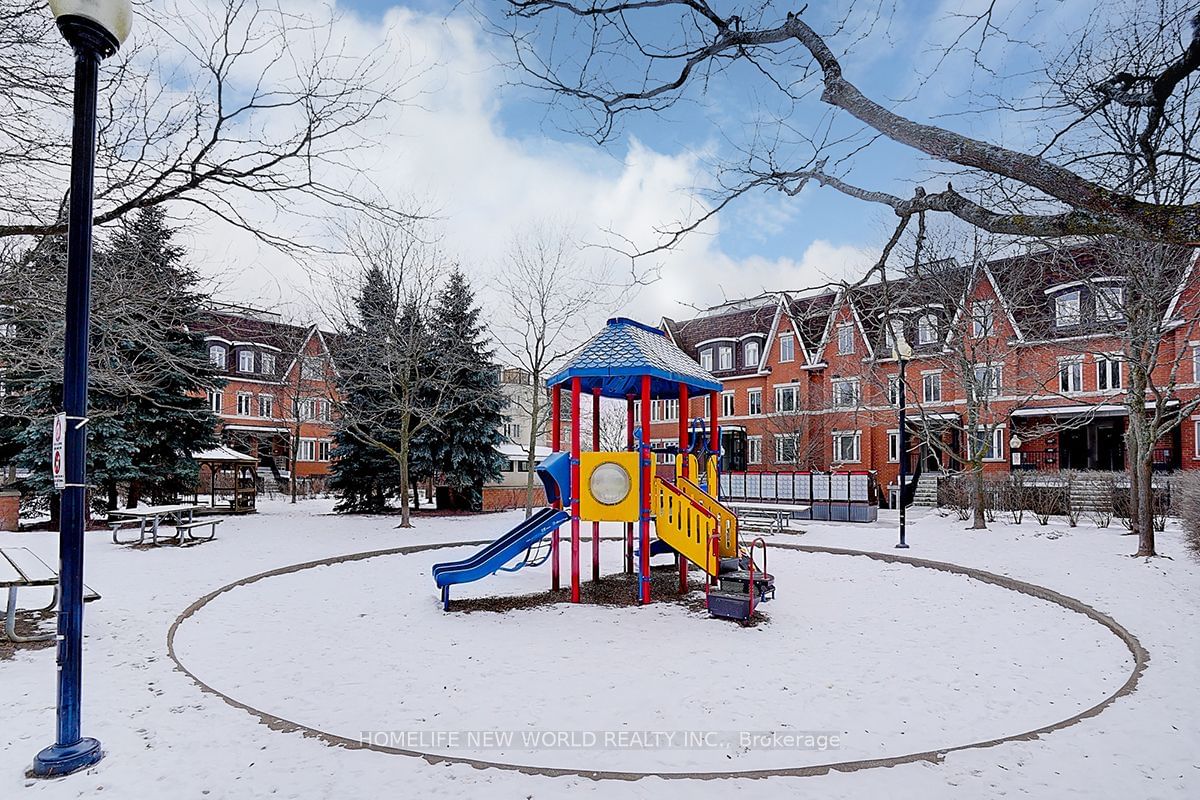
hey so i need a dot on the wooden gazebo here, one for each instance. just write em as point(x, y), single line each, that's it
point(231, 480)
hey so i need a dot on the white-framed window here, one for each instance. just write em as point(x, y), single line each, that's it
point(847, 446)
point(244, 401)
point(927, 329)
point(845, 338)
point(725, 356)
point(312, 368)
point(214, 401)
point(983, 320)
point(786, 449)
point(931, 387)
point(988, 379)
point(754, 402)
point(706, 359)
point(892, 332)
point(1108, 372)
point(1196, 431)
point(308, 450)
point(1066, 309)
point(323, 410)
point(306, 410)
point(266, 406)
point(787, 347)
point(1110, 302)
point(1070, 374)
point(893, 447)
point(662, 444)
point(1196, 364)
point(707, 406)
point(323, 448)
point(992, 441)
point(727, 404)
point(216, 354)
point(512, 432)
point(753, 449)
point(893, 390)
point(245, 361)
point(664, 410)
point(268, 363)
point(751, 354)
point(786, 399)
point(845, 392)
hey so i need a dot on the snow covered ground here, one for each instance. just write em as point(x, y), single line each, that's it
point(892, 658)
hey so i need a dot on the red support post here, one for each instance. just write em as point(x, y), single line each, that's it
point(555, 436)
point(596, 449)
point(644, 537)
point(683, 470)
point(629, 425)
point(575, 489)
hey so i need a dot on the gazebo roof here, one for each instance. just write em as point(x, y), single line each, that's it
point(223, 455)
point(616, 358)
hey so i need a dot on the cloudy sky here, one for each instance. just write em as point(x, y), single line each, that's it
point(489, 159)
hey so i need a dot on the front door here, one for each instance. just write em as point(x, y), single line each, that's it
point(1110, 446)
point(1073, 449)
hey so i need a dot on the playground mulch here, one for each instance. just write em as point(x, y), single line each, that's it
point(27, 624)
point(617, 590)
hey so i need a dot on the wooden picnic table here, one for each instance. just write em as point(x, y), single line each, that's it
point(20, 567)
point(149, 518)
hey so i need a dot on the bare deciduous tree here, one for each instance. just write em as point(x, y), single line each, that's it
point(1110, 133)
point(549, 300)
point(244, 110)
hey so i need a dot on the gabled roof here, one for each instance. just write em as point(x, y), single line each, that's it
point(810, 315)
point(615, 359)
point(733, 321)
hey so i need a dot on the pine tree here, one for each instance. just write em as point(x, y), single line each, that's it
point(147, 412)
point(466, 448)
point(365, 477)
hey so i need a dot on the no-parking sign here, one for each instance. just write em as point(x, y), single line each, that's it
point(58, 467)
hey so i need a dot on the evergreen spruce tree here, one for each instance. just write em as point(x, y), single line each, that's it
point(364, 476)
point(466, 445)
point(147, 408)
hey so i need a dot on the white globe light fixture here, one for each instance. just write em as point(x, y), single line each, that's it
point(108, 22)
point(610, 483)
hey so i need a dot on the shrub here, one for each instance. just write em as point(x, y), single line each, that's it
point(1186, 496)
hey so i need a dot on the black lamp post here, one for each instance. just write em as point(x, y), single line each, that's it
point(95, 30)
point(903, 352)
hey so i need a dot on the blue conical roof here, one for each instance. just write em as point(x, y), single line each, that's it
point(615, 359)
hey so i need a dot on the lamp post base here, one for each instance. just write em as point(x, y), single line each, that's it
point(58, 760)
point(902, 546)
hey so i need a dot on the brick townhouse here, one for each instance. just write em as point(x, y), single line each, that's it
point(811, 378)
point(280, 379)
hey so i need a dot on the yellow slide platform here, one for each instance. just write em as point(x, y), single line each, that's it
point(685, 517)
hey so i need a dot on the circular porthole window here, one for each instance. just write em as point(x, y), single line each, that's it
point(609, 483)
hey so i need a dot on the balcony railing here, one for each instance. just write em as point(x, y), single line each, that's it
point(1162, 459)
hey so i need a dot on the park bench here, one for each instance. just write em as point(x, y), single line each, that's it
point(187, 530)
point(768, 517)
point(20, 568)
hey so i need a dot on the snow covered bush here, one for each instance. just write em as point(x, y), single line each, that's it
point(1186, 501)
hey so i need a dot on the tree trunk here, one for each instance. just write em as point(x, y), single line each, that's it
point(405, 510)
point(294, 461)
point(135, 495)
point(113, 499)
point(979, 500)
point(1141, 477)
point(531, 454)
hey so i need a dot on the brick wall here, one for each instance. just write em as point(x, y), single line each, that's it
point(10, 510)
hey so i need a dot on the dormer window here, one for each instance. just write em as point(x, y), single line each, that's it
point(750, 353)
point(983, 321)
point(1110, 302)
point(1066, 309)
point(725, 357)
point(927, 329)
point(706, 359)
point(268, 364)
point(216, 354)
point(246, 361)
point(845, 338)
point(787, 347)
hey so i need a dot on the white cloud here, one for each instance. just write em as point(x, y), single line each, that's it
point(451, 150)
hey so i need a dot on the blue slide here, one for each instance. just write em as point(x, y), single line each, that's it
point(493, 557)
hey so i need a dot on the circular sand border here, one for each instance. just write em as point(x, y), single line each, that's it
point(1140, 660)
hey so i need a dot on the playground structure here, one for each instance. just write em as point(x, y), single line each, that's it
point(638, 364)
